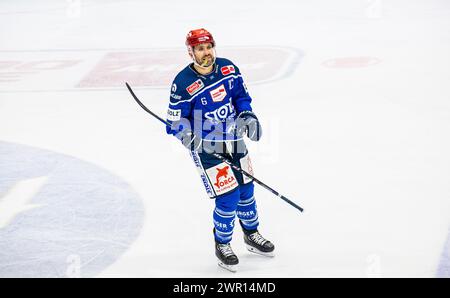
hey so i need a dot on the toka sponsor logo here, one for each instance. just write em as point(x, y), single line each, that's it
point(218, 94)
point(226, 70)
point(195, 87)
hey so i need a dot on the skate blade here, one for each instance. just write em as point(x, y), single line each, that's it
point(257, 251)
point(232, 268)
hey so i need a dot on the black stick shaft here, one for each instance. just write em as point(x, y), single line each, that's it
point(220, 156)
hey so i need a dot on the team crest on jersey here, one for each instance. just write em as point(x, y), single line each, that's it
point(218, 94)
point(195, 87)
point(222, 178)
point(226, 70)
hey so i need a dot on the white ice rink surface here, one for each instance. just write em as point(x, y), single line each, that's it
point(357, 132)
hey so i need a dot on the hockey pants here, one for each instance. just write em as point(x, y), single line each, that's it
point(232, 191)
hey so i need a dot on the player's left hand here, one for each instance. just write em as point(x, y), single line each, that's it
point(248, 123)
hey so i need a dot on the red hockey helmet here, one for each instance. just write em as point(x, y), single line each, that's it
point(198, 36)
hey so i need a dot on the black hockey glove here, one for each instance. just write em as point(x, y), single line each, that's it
point(247, 123)
point(190, 140)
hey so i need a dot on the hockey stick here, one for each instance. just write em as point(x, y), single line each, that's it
point(220, 156)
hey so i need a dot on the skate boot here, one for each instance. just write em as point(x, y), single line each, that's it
point(227, 259)
point(257, 243)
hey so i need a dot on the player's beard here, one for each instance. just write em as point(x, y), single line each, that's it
point(206, 61)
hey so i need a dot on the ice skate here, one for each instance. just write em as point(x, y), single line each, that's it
point(258, 244)
point(227, 259)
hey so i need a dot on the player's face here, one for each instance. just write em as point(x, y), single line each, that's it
point(204, 54)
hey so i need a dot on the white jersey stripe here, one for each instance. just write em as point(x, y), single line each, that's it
point(209, 86)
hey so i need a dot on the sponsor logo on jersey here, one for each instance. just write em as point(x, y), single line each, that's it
point(196, 160)
point(173, 115)
point(175, 96)
point(223, 177)
point(203, 176)
point(218, 94)
point(207, 186)
point(221, 113)
point(195, 87)
point(246, 165)
point(174, 87)
point(218, 224)
point(226, 70)
point(246, 214)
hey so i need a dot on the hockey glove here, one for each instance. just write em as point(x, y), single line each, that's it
point(190, 140)
point(248, 123)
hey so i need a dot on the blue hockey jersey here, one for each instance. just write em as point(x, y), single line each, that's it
point(208, 104)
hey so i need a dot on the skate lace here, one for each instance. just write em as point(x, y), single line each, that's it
point(256, 237)
point(226, 250)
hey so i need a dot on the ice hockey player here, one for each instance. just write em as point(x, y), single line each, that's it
point(210, 110)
